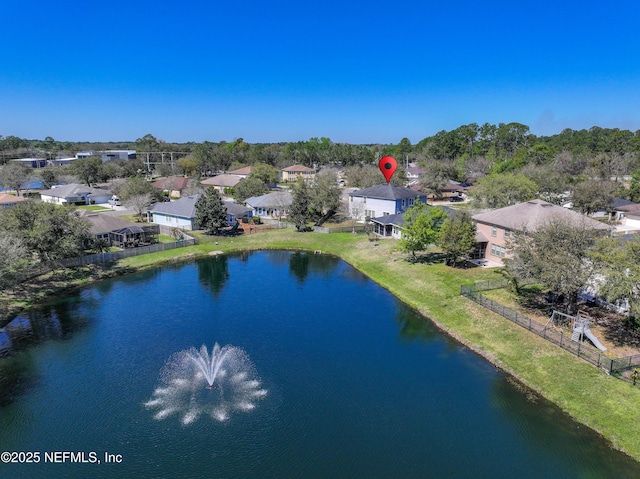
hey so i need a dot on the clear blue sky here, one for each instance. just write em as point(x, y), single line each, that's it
point(354, 71)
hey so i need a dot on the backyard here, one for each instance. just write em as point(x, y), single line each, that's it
point(612, 329)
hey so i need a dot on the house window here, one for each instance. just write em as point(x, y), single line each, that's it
point(369, 213)
point(385, 213)
point(403, 204)
point(497, 250)
point(494, 230)
point(507, 233)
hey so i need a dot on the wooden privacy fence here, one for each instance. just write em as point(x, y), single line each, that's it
point(580, 349)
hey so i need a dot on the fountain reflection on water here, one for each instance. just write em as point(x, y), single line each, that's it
point(194, 382)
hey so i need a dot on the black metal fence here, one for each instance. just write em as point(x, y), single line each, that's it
point(580, 349)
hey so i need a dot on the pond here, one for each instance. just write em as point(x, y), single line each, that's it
point(326, 375)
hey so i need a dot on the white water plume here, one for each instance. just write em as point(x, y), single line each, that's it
point(195, 382)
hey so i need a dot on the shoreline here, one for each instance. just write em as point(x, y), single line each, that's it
point(587, 395)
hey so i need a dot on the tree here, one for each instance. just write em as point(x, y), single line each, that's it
point(14, 174)
point(52, 232)
point(87, 170)
point(458, 236)
point(363, 176)
point(266, 173)
point(139, 203)
point(325, 195)
point(422, 225)
point(505, 189)
point(557, 255)
point(618, 263)
point(13, 255)
point(211, 214)
point(593, 195)
point(436, 177)
point(300, 203)
point(48, 177)
point(249, 187)
point(136, 186)
point(551, 183)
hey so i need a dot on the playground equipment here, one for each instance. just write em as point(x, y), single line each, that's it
point(579, 326)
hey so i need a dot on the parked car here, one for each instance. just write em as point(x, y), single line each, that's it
point(115, 201)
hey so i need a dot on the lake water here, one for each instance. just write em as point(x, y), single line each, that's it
point(357, 384)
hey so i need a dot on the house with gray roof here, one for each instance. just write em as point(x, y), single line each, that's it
point(381, 200)
point(75, 194)
point(175, 214)
point(118, 232)
point(497, 226)
point(182, 213)
point(271, 205)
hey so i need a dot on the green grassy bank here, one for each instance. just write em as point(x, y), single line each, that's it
point(605, 404)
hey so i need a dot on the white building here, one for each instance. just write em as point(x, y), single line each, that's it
point(381, 200)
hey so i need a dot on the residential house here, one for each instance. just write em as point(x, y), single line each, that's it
point(453, 191)
point(271, 205)
point(293, 172)
point(118, 232)
point(172, 185)
point(414, 173)
point(627, 217)
point(392, 225)
point(235, 212)
point(381, 200)
point(7, 200)
point(222, 182)
point(182, 213)
point(496, 227)
point(242, 172)
point(75, 194)
point(175, 214)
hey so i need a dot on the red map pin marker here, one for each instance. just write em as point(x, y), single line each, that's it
point(388, 165)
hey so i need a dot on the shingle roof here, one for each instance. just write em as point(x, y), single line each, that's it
point(101, 223)
point(173, 182)
point(227, 181)
point(241, 171)
point(530, 215)
point(277, 199)
point(73, 190)
point(7, 199)
point(294, 168)
point(387, 191)
point(396, 219)
point(235, 209)
point(184, 207)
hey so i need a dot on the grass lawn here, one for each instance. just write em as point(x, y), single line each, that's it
point(166, 239)
point(605, 404)
point(93, 208)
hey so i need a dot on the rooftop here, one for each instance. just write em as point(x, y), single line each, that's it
point(387, 191)
point(531, 215)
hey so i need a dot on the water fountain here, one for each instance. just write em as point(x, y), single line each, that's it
point(195, 382)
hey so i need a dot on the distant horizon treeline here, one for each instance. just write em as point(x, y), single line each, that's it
point(498, 148)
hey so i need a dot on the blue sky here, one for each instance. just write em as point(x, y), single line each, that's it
point(353, 71)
